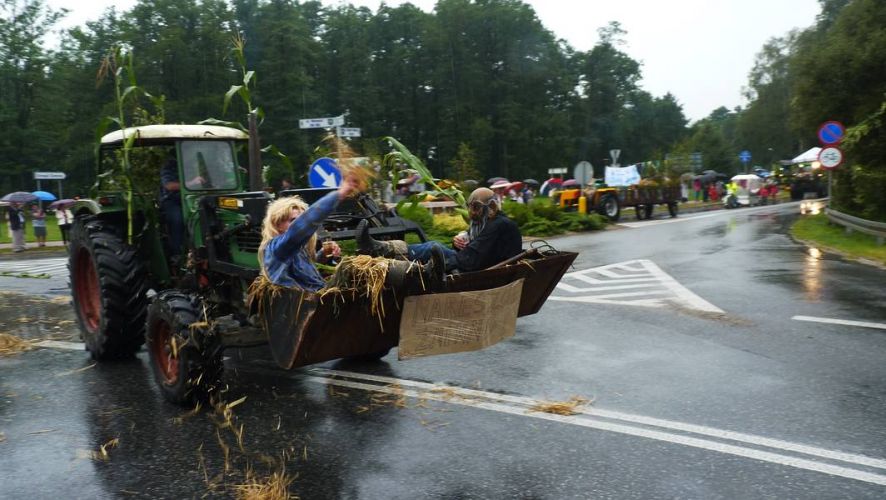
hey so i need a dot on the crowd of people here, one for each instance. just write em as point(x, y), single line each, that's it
point(17, 221)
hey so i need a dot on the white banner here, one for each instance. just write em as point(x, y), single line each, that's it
point(624, 176)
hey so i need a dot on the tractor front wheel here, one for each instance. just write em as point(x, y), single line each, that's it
point(184, 369)
point(108, 288)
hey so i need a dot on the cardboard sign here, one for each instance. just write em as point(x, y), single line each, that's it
point(444, 323)
point(624, 176)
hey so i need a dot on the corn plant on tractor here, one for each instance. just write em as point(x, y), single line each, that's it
point(131, 288)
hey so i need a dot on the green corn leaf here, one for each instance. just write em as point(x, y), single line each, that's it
point(228, 95)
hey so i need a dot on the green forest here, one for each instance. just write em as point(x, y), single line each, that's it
point(476, 87)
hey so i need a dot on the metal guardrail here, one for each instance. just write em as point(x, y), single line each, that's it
point(851, 223)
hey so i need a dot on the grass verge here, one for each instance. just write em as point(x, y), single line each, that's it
point(815, 229)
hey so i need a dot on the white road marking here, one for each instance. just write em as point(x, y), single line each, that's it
point(516, 405)
point(833, 321)
point(59, 344)
point(56, 267)
point(658, 288)
point(625, 423)
point(714, 213)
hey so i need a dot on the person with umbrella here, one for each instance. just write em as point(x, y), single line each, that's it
point(38, 223)
point(16, 226)
point(17, 217)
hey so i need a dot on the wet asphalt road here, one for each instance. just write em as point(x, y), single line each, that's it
point(672, 388)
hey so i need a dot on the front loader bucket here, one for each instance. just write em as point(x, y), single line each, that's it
point(303, 329)
point(540, 276)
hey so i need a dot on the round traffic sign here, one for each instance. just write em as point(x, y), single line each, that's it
point(324, 173)
point(831, 132)
point(830, 157)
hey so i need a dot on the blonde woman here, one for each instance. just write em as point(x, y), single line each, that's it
point(289, 238)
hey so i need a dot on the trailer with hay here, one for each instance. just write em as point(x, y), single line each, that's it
point(130, 289)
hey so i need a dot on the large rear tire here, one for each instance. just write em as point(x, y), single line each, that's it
point(648, 209)
point(673, 208)
point(609, 208)
point(183, 369)
point(108, 288)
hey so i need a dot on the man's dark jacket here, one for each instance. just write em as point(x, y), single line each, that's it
point(500, 240)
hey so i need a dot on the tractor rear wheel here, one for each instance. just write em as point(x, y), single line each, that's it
point(609, 208)
point(183, 369)
point(108, 288)
point(673, 208)
point(647, 210)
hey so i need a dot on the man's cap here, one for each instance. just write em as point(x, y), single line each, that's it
point(482, 195)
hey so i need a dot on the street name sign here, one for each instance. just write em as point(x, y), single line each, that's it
point(324, 173)
point(348, 132)
point(558, 170)
point(831, 132)
point(830, 157)
point(328, 122)
point(54, 176)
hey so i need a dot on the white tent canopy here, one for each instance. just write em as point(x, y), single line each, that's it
point(808, 156)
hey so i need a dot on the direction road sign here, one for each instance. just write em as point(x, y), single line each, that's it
point(831, 132)
point(745, 156)
point(348, 132)
point(583, 172)
point(558, 170)
point(329, 122)
point(324, 173)
point(55, 176)
point(830, 157)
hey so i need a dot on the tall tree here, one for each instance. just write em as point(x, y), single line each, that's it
point(24, 88)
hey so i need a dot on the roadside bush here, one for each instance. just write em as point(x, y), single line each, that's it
point(416, 213)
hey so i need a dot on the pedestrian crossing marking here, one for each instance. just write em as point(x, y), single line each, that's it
point(632, 283)
point(55, 267)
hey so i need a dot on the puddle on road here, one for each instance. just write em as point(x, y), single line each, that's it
point(38, 317)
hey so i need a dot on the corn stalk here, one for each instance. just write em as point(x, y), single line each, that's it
point(401, 154)
point(111, 67)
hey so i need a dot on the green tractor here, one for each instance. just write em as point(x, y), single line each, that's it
point(131, 285)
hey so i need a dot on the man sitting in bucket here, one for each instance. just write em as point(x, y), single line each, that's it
point(289, 244)
point(491, 238)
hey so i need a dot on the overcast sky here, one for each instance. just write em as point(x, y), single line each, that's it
point(699, 50)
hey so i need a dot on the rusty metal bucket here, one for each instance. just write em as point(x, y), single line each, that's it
point(304, 330)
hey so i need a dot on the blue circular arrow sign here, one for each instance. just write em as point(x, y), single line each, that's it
point(324, 173)
point(745, 156)
point(831, 132)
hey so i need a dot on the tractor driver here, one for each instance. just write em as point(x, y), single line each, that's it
point(491, 238)
point(171, 203)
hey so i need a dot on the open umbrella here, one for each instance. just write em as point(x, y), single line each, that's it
point(500, 184)
point(531, 182)
point(44, 195)
point(471, 183)
point(19, 197)
point(517, 186)
point(61, 204)
point(495, 180)
point(570, 183)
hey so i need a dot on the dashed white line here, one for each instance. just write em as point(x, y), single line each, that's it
point(834, 321)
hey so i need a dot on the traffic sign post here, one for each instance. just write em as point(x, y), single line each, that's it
point(324, 173)
point(50, 176)
point(583, 172)
point(831, 132)
point(348, 132)
point(830, 157)
point(328, 122)
point(745, 157)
